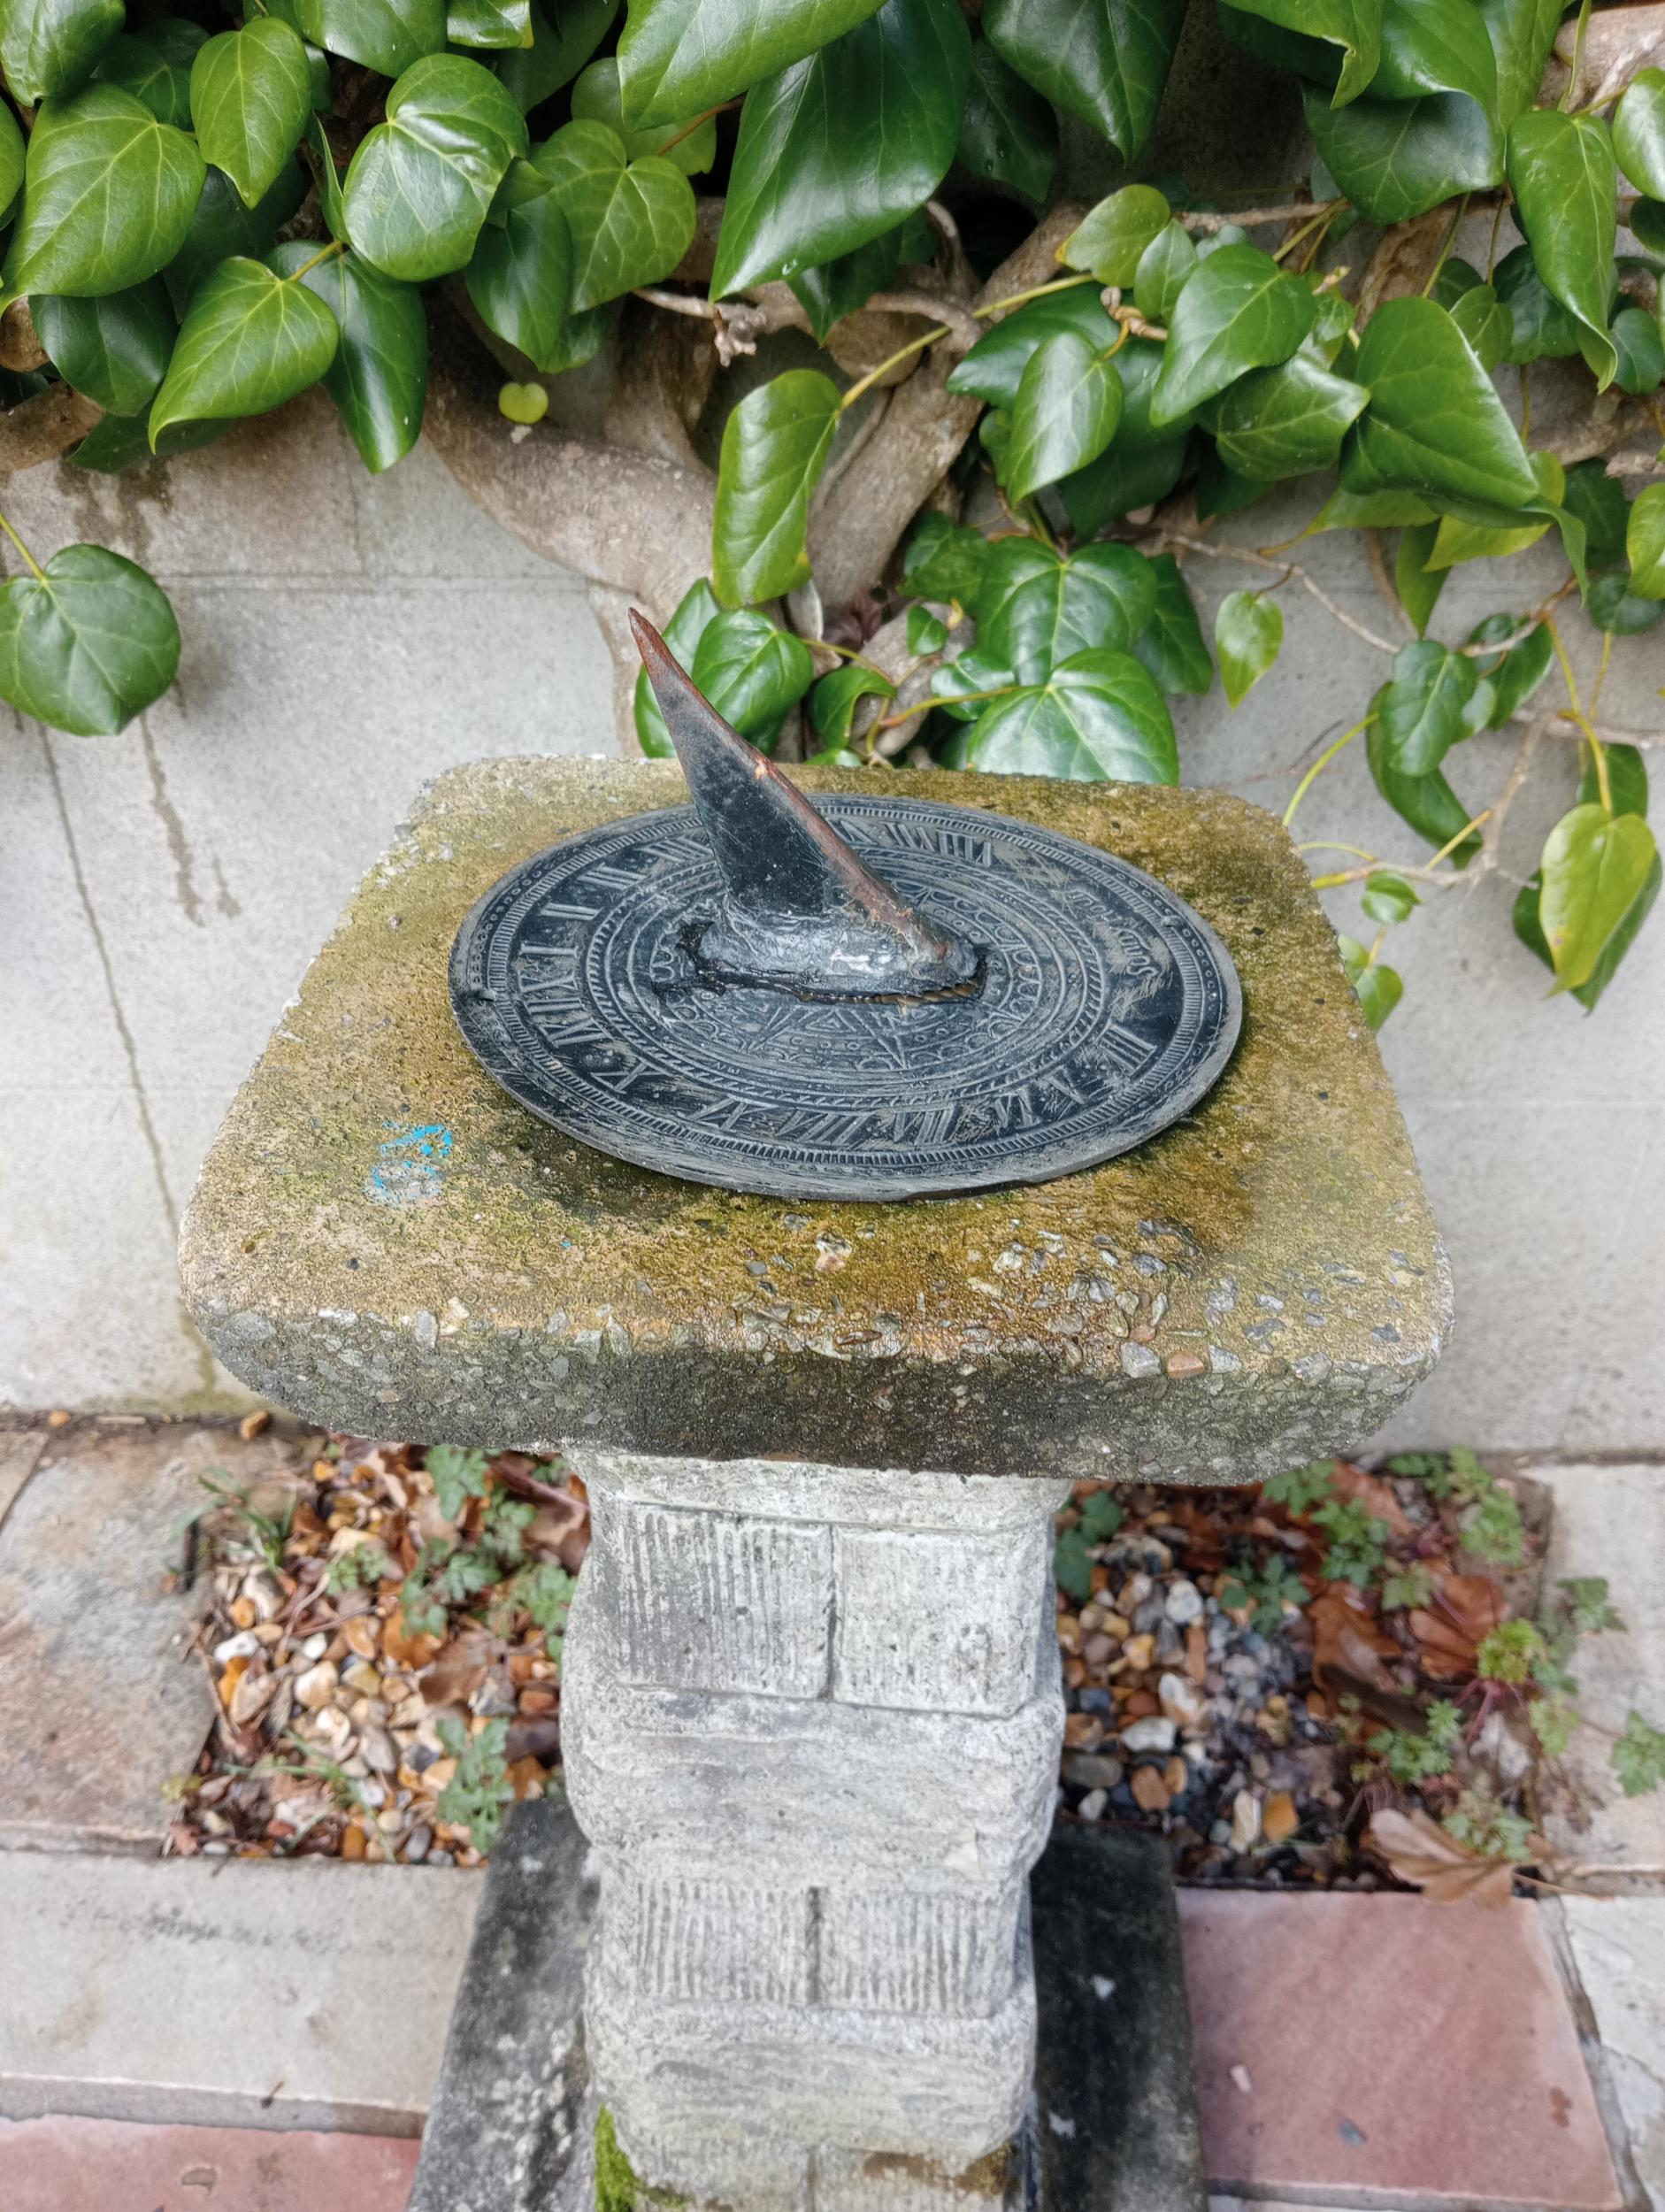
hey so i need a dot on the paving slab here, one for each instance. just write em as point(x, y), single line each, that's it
point(1371, 2045)
point(1618, 1947)
point(73, 2165)
point(382, 1238)
point(231, 1992)
point(1610, 1521)
point(104, 1698)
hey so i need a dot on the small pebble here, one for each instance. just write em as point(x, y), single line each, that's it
point(243, 1644)
point(315, 1646)
point(1092, 1806)
point(1154, 1732)
point(1150, 1792)
point(1184, 1603)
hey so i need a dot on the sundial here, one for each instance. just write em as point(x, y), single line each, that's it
point(863, 996)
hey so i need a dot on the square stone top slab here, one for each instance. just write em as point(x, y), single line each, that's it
point(384, 1241)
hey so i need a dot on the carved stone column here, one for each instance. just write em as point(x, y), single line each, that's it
point(811, 1722)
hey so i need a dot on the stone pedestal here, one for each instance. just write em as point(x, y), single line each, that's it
point(811, 1722)
point(811, 1715)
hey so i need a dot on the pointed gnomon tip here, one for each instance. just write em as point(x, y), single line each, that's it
point(650, 644)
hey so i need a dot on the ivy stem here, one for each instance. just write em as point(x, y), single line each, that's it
point(688, 129)
point(38, 572)
point(952, 699)
point(1320, 764)
point(1597, 751)
point(336, 245)
point(1321, 220)
point(1576, 70)
point(943, 330)
point(1458, 213)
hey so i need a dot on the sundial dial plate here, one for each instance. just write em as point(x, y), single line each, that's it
point(1104, 1009)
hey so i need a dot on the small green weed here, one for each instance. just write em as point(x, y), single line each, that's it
point(476, 1794)
point(1358, 1542)
point(1268, 1589)
point(1412, 1760)
point(1301, 1489)
point(458, 1476)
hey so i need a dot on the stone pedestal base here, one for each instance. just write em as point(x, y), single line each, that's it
point(811, 1722)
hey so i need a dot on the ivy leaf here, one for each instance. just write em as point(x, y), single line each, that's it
point(1115, 233)
point(1644, 543)
point(1097, 717)
point(86, 643)
point(596, 99)
point(48, 48)
point(1565, 183)
point(115, 350)
point(1435, 46)
point(1067, 405)
point(252, 95)
point(1522, 33)
point(1627, 779)
point(1418, 585)
point(837, 288)
point(378, 378)
point(499, 24)
point(1387, 897)
point(993, 369)
point(1515, 675)
point(1398, 158)
point(1638, 132)
point(560, 45)
point(1238, 311)
point(927, 632)
point(678, 58)
point(250, 340)
point(1435, 424)
point(107, 200)
point(1461, 539)
point(520, 277)
point(1008, 134)
point(833, 702)
point(1132, 472)
point(751, 672)
point(1038, 609)
point(1595, 867)
point(1485, 323)
point(1639, 352)
point(388, 36)
point(944, 560)
point(1614, 607)
point(1170, 644)
point(1103, 61)
point(1165, 267)
point(12, 160)
point(1287, 420)
point(775, 445)
point(1354, 25)
point(958, 686)
point(697, 610)
point(632, 222)
point(421, 183)
point(221, 225)
point(1379, 989)
point(1248, 634)
point(1427, 803)
point(1422, 707)
point(1539, 327)
point(837, 148)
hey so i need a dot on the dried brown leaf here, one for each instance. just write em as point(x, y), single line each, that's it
point(1418, 1851)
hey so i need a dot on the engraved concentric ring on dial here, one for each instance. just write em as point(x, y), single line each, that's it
point(1107, 1009)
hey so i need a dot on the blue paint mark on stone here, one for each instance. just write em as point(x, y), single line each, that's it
point(1352, 2135)
point(408, 1166)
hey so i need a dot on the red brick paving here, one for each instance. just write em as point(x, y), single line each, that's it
point(1386, 2043)
point(61, 2165)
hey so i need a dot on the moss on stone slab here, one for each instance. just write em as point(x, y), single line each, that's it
point(616, 2187)
point(384, 1241)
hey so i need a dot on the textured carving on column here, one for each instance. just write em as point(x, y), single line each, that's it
point(811, 1725)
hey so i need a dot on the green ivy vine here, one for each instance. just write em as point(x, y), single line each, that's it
point(207, 212)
